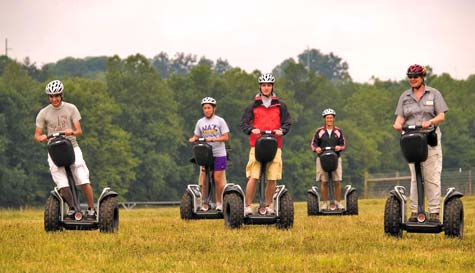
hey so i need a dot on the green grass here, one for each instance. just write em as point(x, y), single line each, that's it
point(157, 240)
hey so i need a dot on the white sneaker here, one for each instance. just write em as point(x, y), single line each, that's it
point(339, 205)
point(219, 207)
point(270, 210)
point(247, 210)
point(324, 206)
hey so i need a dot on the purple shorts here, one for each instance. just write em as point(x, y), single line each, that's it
point(220, 163)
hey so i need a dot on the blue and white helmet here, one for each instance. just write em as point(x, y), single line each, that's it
point(209, 100)
point(266, 78)
point(54, 87)
point(328, 111)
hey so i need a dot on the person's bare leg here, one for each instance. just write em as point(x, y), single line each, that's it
point(270, 189)
point(219, 182)
point(250, 190)
point(89, 195)
point(67, 196)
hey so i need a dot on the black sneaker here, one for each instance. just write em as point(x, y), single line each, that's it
point(413, 217)
point(91, 214)
point(434, 217)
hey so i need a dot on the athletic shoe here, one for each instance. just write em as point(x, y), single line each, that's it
point(270, 210)
point(413, 217)
point(434, 217)
point(247, 210)
point(324, 206)
point(339, 205)
point(91, 214)
point(219, 207)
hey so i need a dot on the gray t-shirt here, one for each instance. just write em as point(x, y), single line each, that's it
point(58, 119)
point(415, 112)
point(213, 127)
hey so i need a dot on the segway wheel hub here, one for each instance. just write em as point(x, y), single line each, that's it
point(262, 211)
point(78, 216)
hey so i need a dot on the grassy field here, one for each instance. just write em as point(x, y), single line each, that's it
point(156, 240)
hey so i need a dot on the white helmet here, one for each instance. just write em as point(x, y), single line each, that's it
point(54, 87)
point(328, 111)
point(209, 100)
point(266, 78)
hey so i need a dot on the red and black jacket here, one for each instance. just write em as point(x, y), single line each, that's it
point(257, 116)
point(322, 139)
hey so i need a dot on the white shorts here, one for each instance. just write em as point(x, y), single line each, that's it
point(79, 170)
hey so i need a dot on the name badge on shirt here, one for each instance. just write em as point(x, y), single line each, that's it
point(429, 102)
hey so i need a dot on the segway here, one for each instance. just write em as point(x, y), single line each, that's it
point(194, 205)
point(329, 162)
point(61, 152)
point(233, 205)
point(414, 148)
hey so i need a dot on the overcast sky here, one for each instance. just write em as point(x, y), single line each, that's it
point(376, 37)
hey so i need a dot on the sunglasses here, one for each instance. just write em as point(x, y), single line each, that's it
point(413, 76)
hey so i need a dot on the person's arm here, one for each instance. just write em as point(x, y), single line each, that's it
point(434, 121)
point(222, 138)
point(285, 119)
point(341, 142)
point(193, 138)
point(246, 120)
point(77, 132)
point(39, 136)
point(398, 123)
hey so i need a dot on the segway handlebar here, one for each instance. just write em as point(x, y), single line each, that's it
point(412, 128)
point(56, 135)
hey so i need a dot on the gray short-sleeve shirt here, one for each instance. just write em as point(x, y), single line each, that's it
point(58, 119)
point(415, 112)
point(213, 127)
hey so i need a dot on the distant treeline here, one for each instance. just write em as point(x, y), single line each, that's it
point(138, 113)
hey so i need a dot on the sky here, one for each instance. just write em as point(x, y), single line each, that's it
point(377, 38)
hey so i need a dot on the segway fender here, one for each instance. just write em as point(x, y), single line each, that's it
point(106, 192)
point(400, 193)
point(349, 189)
point(452, 193)
point(229, 188)
point(314, 191)
point(279, 190)
point(195, 192)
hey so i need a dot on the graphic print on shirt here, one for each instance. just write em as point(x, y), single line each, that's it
point(60, 125)
point(210, 130)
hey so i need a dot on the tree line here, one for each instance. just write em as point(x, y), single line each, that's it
point(137, 114)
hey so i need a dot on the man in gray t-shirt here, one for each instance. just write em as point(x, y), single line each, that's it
point(423, 105)
point(215, 131)
point(60, 116)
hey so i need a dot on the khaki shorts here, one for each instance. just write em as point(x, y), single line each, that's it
point(274, 168)
point(79, 170)
point(323, 176)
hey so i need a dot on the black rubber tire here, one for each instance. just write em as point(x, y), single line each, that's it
point(453, 218)
point(233, 210)
point(109, 215)
point(352, 203)
point(186, 206)
point(286, 212)
point(52, 215)
point(392, 217)
point(312, 204)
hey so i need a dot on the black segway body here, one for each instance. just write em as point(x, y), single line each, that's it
point(329, 163)
point(61, 152)
point(414, 148)
point(193, 204)
point(265, 150)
